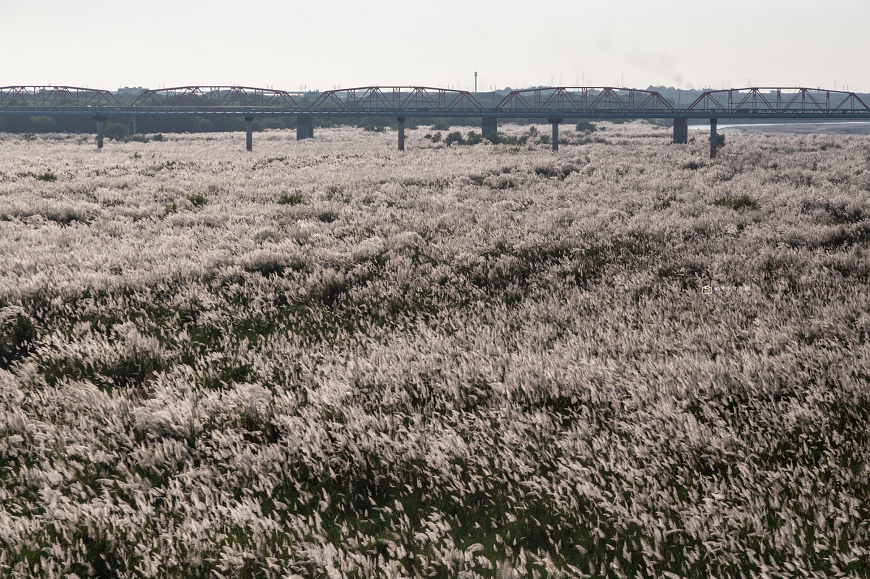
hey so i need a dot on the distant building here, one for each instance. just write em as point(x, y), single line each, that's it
point(132, 90)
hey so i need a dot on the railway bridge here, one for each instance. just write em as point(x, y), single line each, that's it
point(553, 104)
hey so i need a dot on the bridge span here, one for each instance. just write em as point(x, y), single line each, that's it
point(553, 104)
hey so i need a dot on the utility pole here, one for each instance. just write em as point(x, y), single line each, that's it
point(475, 81)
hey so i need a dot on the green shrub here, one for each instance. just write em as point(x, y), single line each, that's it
point(436, 137)
point(158, 137)
point(17, 333)
point(327, 216)
point(720, 140)
point(294, 199)
point(454, 137)
point(114, 131)
point(544, 140)
point(441, 125)
point(585, 126)
point(473, 138)
point(738, 202)
point(502, 139)
point(198, 199)
point(555, 172)
point(48, 176)
point(374, 127)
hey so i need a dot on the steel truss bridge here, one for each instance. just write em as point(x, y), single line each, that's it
point(553, 104)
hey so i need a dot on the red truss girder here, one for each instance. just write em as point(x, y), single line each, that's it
point(55, 96)
point(396, 97)
point(584, 99)
point(216, 96)
point(778, 99)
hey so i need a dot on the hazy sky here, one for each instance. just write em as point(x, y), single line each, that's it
point(322, 44)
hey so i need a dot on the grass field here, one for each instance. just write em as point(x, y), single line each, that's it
point(327, 358)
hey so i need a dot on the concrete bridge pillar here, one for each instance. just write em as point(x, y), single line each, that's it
point(101, 121)
point(304, 127)
point(681, 130)
point(555, 123)
point(401, 133)
point(249, 130)
point(713, 123)
point(129, 127)
point(490, 125)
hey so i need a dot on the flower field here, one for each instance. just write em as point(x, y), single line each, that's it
point(327, 358)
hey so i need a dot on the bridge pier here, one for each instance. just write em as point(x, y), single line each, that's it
point(490, 125)
point(401, 133)
point(101, 120)
point(304, 127)
point(713, 123)
point(681, 130)
point(249, 133)
point(129, 127)
point(555, 123)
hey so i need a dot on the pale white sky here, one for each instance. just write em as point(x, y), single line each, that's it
point(321, 44)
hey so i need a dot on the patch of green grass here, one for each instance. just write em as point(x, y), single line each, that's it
point(291, 199)
point(198, 199)
point(738, 202)
point(48, 176)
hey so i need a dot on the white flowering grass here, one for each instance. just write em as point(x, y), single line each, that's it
point(487, 361)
